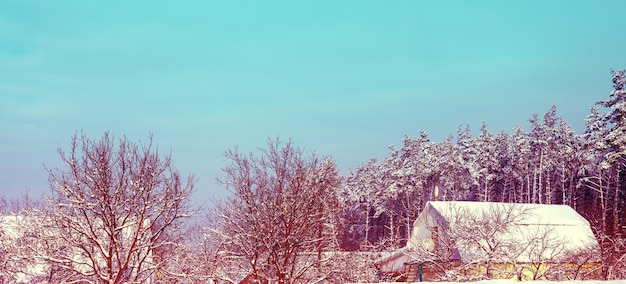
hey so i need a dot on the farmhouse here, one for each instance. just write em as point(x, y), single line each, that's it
point(461, 240)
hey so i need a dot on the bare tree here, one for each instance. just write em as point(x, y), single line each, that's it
point(485, 237)
point(195, 259)
point(281, 218)
point(613, 253)
point(115, 211)
point(543, 252)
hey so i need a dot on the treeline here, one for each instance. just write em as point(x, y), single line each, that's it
point(548, 164)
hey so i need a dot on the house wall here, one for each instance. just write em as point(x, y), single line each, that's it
point(421, 235)
point(545, 271)
point(429, 238)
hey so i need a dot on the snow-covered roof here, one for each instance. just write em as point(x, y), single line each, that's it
point(10, 225)
point(394, 260)
point(538, 214)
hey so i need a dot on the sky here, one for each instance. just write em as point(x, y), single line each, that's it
point(345, 79)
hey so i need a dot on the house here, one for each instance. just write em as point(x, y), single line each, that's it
point(34, 250)
point(464, 240)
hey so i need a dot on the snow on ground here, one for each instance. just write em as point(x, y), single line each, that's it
point(533, 282)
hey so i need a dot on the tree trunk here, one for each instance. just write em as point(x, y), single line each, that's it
point(367, 224)
point(534, 188)
point(616, 201)
point(540, 185)
point(602, 201)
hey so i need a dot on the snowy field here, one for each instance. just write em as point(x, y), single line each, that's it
point(533, 282)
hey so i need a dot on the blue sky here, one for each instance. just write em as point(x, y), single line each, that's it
point(342, 78)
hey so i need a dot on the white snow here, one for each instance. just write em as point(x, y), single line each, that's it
point(533, 282)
